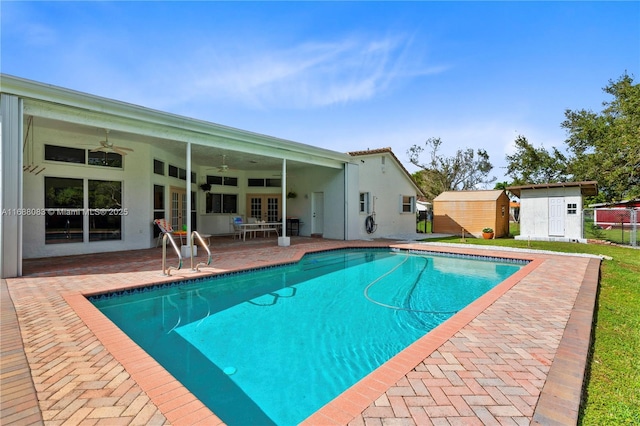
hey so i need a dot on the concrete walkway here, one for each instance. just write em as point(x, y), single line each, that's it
point(515, 356)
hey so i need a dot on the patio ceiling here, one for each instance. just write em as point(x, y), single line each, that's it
point(202, 155)
point(87, 116)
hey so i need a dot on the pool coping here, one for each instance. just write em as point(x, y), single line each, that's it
point(181, 407)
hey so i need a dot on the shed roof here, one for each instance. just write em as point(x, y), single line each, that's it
point(588, 188)
point(488, 195)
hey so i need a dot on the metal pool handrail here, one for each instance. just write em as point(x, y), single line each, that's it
point(205, 246)
point(165, 270)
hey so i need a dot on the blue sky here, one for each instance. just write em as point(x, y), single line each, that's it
point(345, 76)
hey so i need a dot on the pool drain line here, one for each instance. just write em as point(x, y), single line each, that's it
point(399, 308)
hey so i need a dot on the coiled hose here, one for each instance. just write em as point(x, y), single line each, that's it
point(370, 225)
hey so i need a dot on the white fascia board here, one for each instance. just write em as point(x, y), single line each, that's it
point(68, 105)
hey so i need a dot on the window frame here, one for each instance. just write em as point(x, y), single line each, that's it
point(225, 203)
point(113, 159)
point(363, 203)
point(411, 203)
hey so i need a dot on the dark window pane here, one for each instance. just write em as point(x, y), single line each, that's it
point(65, 154)
point(273, 183)
point(156, 230)
point(173, 171)
point(158, 167)
point(158, 197)
point(230, 181)
point(105, 210)
point(64, 199)
point(214, 203)
point(214, 180)
point(106, 159)
point(182, 174)
point(255, 182)
point(230, 203)
point(194, 178)
point(194, 221)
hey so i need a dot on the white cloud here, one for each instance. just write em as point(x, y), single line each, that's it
point(303, 76)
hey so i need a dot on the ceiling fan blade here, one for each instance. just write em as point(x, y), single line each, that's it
point(119, 150)
point(100, 149)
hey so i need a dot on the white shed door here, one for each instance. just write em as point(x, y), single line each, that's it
point(556, 216)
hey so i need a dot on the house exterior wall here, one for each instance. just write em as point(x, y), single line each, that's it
point(136, 197)
point(67, 118)
point(452, 216)
point(385, 183)
point(534, 214)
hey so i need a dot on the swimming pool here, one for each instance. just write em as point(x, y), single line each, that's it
point(274, 345)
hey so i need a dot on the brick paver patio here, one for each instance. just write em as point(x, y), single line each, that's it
point(515, 356)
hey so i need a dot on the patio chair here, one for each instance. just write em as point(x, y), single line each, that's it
point(238, 229)
point(165, 228)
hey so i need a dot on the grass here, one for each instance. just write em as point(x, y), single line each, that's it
point(612, 394)
point(422, 225)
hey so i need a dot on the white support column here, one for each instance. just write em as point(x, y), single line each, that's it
point(11, 162)
point(284, 240)
point(186, 249)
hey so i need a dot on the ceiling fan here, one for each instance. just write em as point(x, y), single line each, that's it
point(106, 146)
point(222, 168)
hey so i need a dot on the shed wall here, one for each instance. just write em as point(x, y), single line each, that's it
point(450, 217)
point(534, 213)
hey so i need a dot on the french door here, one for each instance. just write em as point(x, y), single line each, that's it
point(267, 207)
point(178, 208)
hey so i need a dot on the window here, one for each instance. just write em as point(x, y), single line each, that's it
point(63, 199)
point(158, 167)
point(180, 173)
point(572, 208)
point(81, 156)
point(64, 154)
point(364, 202)
point(105, 210)
point(158, 206)
point(105, 159)
point(222, 180)
point(407, 204)
point(259, 182)
point(222, 203)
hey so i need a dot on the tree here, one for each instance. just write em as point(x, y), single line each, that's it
point(531, 165)
point(465, 170)
point(606, 146)
point(603, 147)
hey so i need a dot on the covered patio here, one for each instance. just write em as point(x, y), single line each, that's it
point(517, 354)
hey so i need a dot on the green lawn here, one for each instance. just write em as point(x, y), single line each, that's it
point(612, 395)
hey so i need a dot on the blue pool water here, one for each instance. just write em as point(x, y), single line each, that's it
point(273, 346)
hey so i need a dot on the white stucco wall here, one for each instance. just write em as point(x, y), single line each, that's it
point(386, 183)
point(136, 196)
point(534, 214)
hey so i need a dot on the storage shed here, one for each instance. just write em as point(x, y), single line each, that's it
point(471, 211)
point(552, 211)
